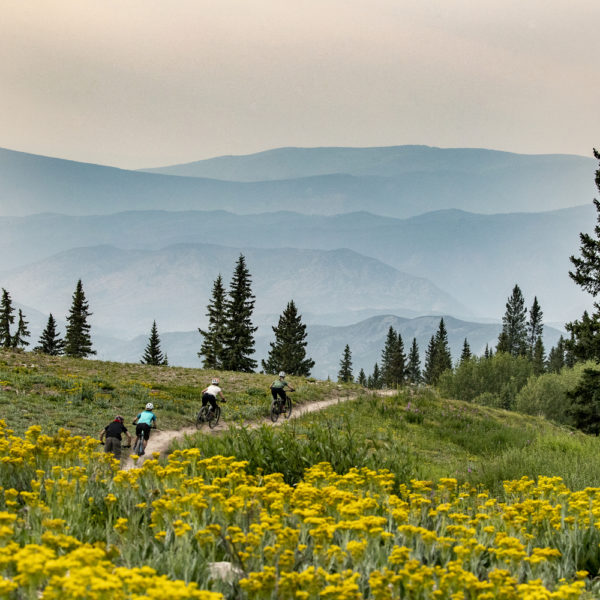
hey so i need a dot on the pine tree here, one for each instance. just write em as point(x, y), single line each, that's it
point(78, 342)
point(486, 354)
point(535, 327)
point(466, 352)
point(556, 356)
point(213, 344)
point(429, 373)
point(239, 331)
point(288, 351)
point(585, 402)
point(345, 372)
point(539, 357)
point(362, 378)
point(393, 360)
point(443, 356)
point(413, 371)
point(153, 354)
point(7, 318)
point(50, 342)
point(19, 340)
point(374, 381)
point(513, 338)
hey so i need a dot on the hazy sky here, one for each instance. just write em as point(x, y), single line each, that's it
point(140, 83)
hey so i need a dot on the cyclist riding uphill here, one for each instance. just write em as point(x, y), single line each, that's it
point(278, 387)
point(144, 422)
point(112, 432)
point(210, 393)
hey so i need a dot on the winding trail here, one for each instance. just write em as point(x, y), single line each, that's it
point(160, 441)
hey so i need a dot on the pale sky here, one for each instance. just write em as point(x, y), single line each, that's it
point(142, 83)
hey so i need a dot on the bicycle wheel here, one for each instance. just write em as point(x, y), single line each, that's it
point(213, 417)
point(287, 408)
point(139, 445)
point(274, 410)
point(199, 419)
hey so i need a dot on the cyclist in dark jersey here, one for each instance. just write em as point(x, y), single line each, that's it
point(112, 432)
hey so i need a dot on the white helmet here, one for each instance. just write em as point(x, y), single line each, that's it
point(215, 381)
point(281, 374)
point(149, 406)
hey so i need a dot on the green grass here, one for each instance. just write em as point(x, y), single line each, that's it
point(416, 436)
point(84, 395)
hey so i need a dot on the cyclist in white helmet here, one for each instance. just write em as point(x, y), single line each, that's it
point(210, 393)
point(145, 421)
point(278, 387)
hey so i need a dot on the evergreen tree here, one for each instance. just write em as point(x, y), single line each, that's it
point(556, 356)
point(443, 356)
point(413, 370)
point(345, 372)
point(50, 342)
point(539, 357)
point(429, 373)
point(393, 360)
point(78, 342)
point(584, 343)
point(213, 344)
point(585, 402)
point(374, 381)
point(486, 354)
point(513, 339)
point(19, 340)
point(466, 352)
point(535, 327)
point(153, 354)
point(7, 318)
point(239, 331)
point(288, 351)
point(362, 378)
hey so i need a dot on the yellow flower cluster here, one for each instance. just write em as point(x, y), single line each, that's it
point(74, 526)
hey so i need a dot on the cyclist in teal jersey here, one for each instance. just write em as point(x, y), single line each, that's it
point(278, 387)
point(145, 421)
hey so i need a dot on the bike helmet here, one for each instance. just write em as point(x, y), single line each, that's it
point(215, 381)
point(119, 419)
point(149, 406)
point(281, 374)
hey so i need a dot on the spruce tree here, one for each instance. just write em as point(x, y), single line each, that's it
point(374, 381)
point(556, 357)
point(585, 402)
point(239, 331)
point(539, 357)
point(466, 352)
point(443, 357)
point(429, 373)
point(345, 372)
point(50, 342)
point(288, 351)
point(362, 378)
point(153, 354)
point(486, 353)
point(413, 370)
point(535, 327)
point(19, 340)
point(213, 344)
point(393, 360)
point(7, 318)
point(78, 341)
point(513, 338)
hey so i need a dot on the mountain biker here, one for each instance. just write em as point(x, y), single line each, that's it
point(210, 393)
point(278, 388)
point(145, 421)
point(112, 432)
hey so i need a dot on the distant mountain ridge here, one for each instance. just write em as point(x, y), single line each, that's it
point(128, 289)
point(32, 184)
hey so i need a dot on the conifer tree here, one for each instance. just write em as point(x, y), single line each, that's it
point(443, 356)
point(535, 327)
point(374, 381)
point(513, 338)
point(7, 318)
point(466, 352)
point(288, 351)
point(539, 357)
point(19, 340)
point(393, 359)
point(585, 402)
point(556, 356)
point(429, 373)
point(345, 372)
point(362, 378)
point(78, 341)
point(213, 344)
point(153, 354)
point(413, 370)
point(239, 331)
point(50, 342)
point(486, 354)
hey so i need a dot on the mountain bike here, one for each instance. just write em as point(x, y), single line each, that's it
point(208, 415)
point(138, 445)
point(281, 407)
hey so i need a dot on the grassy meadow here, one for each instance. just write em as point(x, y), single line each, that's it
point(409, 496)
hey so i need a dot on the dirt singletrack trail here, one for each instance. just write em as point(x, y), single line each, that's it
point(160, 440)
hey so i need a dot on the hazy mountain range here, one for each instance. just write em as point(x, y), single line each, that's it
point(397, 181)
